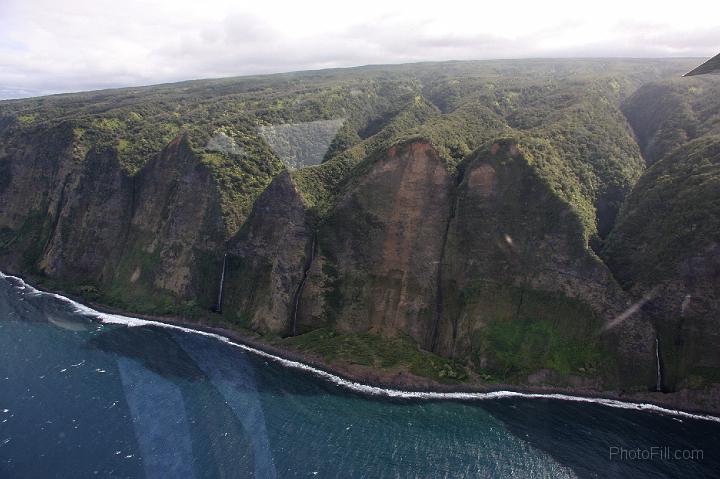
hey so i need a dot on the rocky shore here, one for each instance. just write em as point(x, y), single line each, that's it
point(691, 401)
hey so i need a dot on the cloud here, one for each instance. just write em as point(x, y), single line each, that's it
point(48, 46)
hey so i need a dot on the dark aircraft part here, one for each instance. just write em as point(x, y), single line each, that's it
point(710, 66)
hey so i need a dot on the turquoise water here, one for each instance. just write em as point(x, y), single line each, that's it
point(79, 398)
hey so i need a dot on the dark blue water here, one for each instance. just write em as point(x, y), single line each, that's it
point(83, 399)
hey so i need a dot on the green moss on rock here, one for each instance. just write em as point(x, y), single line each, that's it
point(376, 351)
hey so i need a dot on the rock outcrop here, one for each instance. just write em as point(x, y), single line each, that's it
point(516, 258)
point(267, 258)
point(89, 223)
point(380, 246)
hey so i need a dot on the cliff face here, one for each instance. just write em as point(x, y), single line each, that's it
point(485, 264)
point(473, 218)
point(175, 236)
point(78, 217)
point(374, 257)
point(268, 258)
point(523, 290)
point(666, 250)
point(379, 248)
point(32, 180)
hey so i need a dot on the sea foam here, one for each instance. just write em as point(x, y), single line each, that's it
point(109, 318)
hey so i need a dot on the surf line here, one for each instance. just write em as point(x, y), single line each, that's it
point(109, 318)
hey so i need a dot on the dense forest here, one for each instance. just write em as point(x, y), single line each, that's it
point(526, 222)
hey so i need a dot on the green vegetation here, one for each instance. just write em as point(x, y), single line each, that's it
point(30, 238)
point(162, 304)
point(27, 119)
point(241, 172)
point(565, 189)
point(108, 124)
point(457, 106)
point(586, 150)
point(545, 331)
point(377, 351)
point(664, 245)
point(701, 377)
point(673, 213)
point(668, 114)
point(239, 181)
point(149, 302)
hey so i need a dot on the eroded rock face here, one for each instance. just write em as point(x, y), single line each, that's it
point(380, 247)
point(79, 217)
point(176, 224)
point(485, 261)
point(685, 311)
point(36, 169)
point(665, 249)
point(451, 260)
point(517, 253)
point(91, 219)
point(267, 259)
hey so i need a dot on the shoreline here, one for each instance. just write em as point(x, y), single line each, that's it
point(425, 388)
point(399, 384)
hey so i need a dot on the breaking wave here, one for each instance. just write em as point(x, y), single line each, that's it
point(109, 318)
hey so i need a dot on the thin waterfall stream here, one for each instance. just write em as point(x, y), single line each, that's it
point(218, 304)
point(152, 400)
point(301, 286)
point(658, 385)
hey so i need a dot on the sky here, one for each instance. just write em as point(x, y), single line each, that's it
point(53, 46)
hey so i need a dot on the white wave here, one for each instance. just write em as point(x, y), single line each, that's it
point(69, 325)
point(367, 389)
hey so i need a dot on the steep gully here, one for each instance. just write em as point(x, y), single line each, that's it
point(439, 300)
point(439, 278)
point(439, 294)
point(641, 148)
point(297, 296)
point(301, 286)
point(56, 217)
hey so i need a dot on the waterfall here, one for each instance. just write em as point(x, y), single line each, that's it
point(439, 300)
point(218, 305)
point(298, 292)
point(658, 385)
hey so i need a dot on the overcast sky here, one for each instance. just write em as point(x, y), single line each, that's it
point(50, 46)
